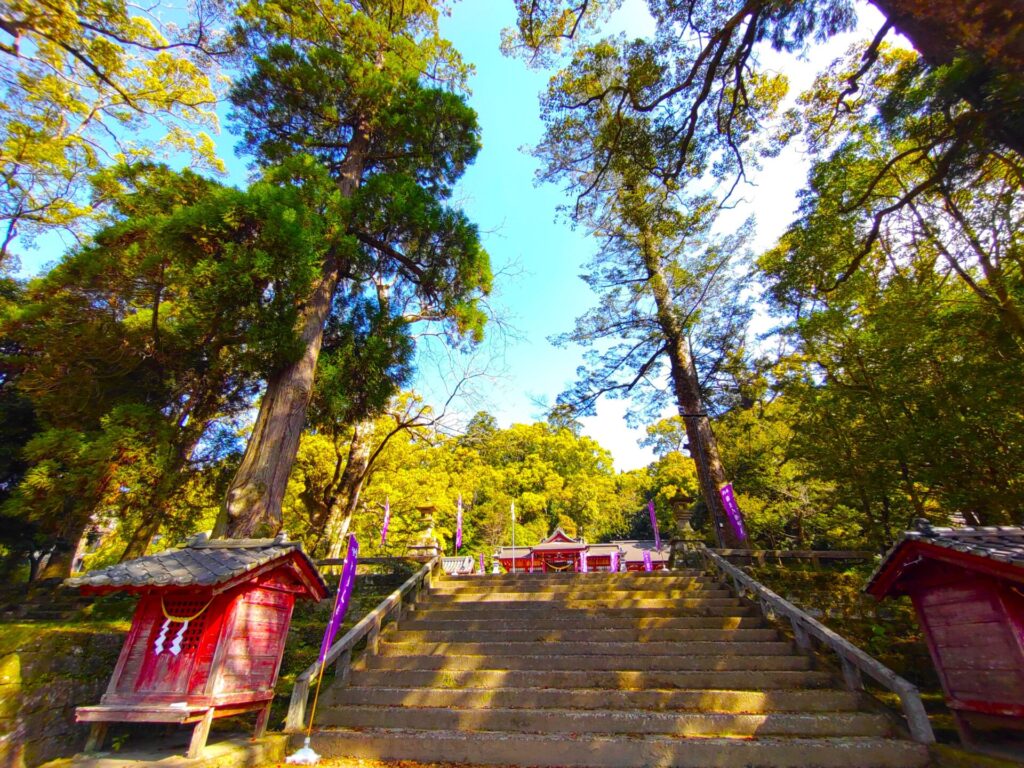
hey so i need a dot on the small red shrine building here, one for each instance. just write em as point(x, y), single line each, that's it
point(208, 633)
point(561, 552)
point(967, 586)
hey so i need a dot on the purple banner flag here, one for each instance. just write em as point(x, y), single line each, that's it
point(345, 583)
point(387, 521)
point(458, 526)
point(614, 567)
point(648, 565)
point(654, 525)
point(732, 511)
point(481, 571)
point(583, 561)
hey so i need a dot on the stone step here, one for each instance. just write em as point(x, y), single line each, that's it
point(594, 698)
point(399, 647)
point(518, 612)
point(564, 577)
point(466, 586)
point(607, 721)
point(576, 751)
point(422, 620)
point(590, 663)
point(684, 635)
point(631, 680)
point(606, 596)
point(609, 604)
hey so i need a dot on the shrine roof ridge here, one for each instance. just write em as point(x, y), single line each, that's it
point(1000, 543)
point(201, 562)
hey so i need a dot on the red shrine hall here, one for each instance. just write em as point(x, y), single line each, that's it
point(208, 632)
point(967, 586)
point(561, 552)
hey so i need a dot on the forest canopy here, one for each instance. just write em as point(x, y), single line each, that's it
point(245, 358)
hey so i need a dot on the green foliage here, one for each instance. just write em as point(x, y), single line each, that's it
point(81, 80)
point(135, 350)
point(554, 476)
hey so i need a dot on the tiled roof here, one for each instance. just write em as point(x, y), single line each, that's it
point(201, 563)
point(508, 551)
point(559, 546)
point(633, 551)
point(458, 566)
point(1004, 544)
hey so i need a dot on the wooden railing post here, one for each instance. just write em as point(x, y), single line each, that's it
point(341, 669)
point(851, 675)
point(295, 720)
point(373, 637)
point(917, 718)
point(803, 639)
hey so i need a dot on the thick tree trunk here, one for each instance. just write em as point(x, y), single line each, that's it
point(58, 566)
point(253, 503)
point(686, 387)
point(346, 496)
point(144, 532)
point(991, 34)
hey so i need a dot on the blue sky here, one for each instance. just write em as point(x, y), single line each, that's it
point(539, 292)
point(518, 218)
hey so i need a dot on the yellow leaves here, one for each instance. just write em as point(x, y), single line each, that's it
point(87, 77)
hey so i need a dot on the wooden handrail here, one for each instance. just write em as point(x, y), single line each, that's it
point(854, 661)
point(332, 561)
point(341, 651)
point(814, 555)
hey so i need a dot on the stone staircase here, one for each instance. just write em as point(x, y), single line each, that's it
point(637, 669)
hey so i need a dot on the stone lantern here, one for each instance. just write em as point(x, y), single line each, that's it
point(687, 541)
point(425, 546)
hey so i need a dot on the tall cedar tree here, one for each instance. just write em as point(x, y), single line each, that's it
point(371, 92)
point(662, 275)
point(702, 71)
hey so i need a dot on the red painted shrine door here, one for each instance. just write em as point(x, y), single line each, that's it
point(178, 645)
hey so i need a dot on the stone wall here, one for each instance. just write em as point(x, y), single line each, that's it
point(46, 670)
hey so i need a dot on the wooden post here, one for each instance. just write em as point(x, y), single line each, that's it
point(917, 719)
point(97, 734)
point(262, 719)
point(851, 675)
point(342, 668)
point(199, 735)
point(373, 638)
point(803, 639)
point(295, 721)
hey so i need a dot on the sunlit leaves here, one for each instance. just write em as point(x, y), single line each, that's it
point(82, 82)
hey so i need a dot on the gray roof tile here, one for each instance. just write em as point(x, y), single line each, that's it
point(1004, 544)
point(201, 562)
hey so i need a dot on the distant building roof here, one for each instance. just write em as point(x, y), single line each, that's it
point(457, 566)
point(203, 562)
point(1001, 546)
point(518, 552)
point(633, 550)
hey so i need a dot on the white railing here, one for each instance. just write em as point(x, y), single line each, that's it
point(341, 652)
point(853, 660)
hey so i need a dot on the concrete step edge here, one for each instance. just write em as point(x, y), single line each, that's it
point(611, 721)
point(649, 699)
point(616, 752)
point(391, 647)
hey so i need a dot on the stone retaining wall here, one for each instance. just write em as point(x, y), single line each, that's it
point(46, 670)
